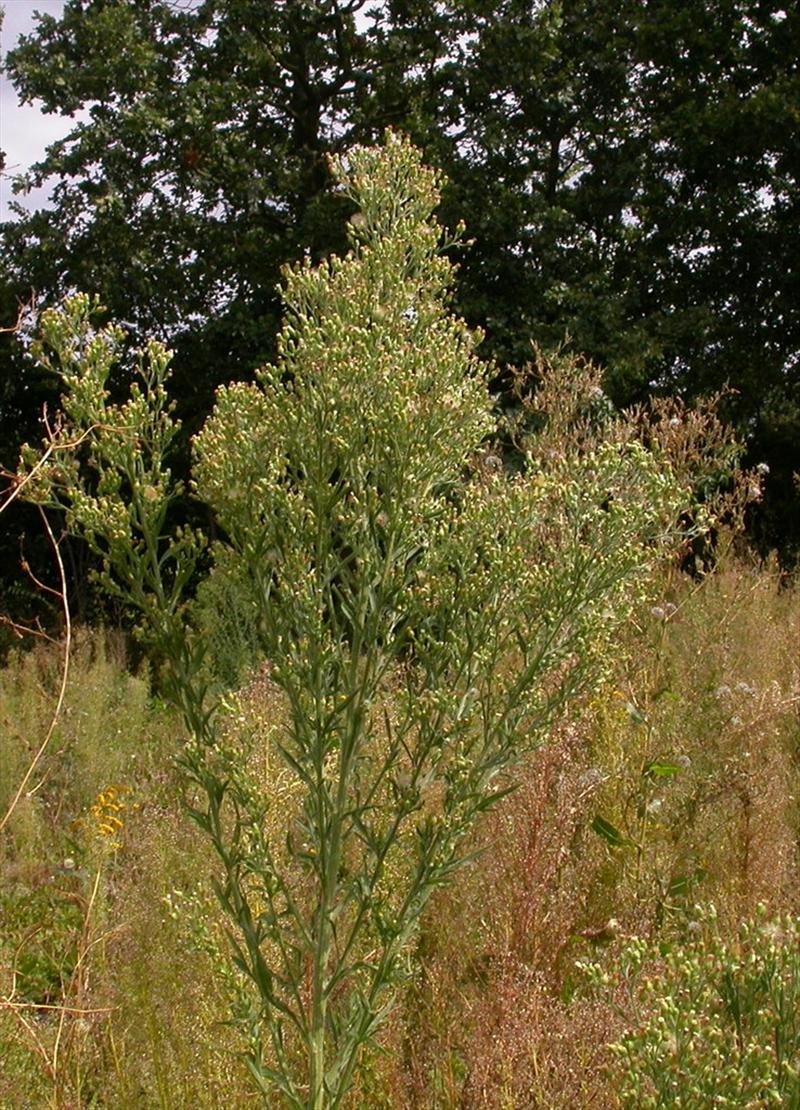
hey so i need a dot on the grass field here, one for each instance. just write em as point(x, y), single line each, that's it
point(675, 787)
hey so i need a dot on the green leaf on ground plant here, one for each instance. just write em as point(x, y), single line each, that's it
point(660, 769)
point(610, 833)
point(682, 884)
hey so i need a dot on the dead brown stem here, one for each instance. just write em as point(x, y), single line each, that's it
point(64, 677)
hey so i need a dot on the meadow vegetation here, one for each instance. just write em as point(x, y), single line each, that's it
point(471, 763)
point(113, 944)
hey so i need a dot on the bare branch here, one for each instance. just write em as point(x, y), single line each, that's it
point(24, 308)
point(23, 630)
point(64, 677)
point(18, 484)
point(10, 1004)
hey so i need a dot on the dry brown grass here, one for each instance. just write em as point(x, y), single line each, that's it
point(494, 1016)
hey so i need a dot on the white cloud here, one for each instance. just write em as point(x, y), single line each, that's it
point(25, 131)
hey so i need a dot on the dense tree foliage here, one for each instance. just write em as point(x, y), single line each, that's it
point(630, 175)
point(628, 171)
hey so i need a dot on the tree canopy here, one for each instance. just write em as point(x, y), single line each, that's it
point(628, 173)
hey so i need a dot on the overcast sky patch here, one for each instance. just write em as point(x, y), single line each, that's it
point(25, 131)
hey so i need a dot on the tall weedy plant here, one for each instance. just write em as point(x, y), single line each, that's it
point(420, 612)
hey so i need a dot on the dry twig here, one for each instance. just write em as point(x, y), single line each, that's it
point(64, 677)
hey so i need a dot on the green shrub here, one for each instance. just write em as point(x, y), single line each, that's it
point(421, 612)
point(713, 1022)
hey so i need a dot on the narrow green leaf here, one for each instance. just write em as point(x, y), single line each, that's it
point(661, 769)
point(610, 833)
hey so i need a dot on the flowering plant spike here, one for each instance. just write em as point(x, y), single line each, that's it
point(419, 610)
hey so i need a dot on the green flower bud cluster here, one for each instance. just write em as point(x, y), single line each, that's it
point(714, 1023)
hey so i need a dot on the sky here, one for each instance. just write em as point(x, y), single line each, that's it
point(25, 131)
